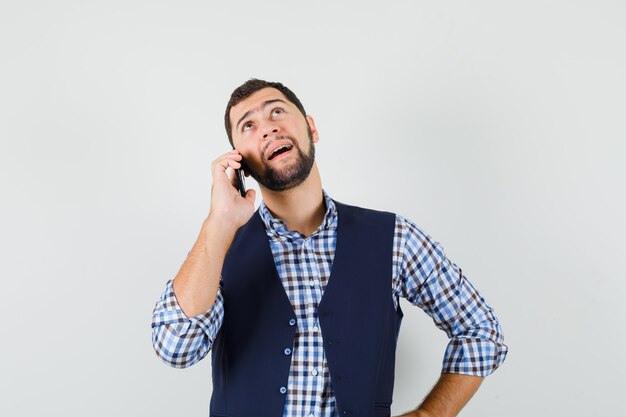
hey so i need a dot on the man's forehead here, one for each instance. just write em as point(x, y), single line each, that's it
point(256, 99)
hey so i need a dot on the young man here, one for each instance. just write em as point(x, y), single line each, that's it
point(299, 301)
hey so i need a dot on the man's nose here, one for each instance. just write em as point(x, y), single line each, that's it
point(269, 129)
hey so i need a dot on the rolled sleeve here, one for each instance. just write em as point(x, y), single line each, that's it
point(476, 344)
point(429, 280)
point(182, 341)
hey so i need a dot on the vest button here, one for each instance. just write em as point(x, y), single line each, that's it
point(283, 390)
point(287, 351)
point(292, 322)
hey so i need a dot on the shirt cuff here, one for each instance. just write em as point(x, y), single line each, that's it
point(169, 313)
point(473, 356)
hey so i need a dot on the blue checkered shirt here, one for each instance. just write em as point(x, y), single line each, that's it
point(422, 274)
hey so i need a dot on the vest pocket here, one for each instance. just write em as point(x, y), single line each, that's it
point(382, 410)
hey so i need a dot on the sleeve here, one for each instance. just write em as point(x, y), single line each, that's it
point(181, 341)
point(429, 280)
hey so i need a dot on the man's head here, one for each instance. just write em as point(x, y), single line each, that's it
point(250, 87)
point(266, 122)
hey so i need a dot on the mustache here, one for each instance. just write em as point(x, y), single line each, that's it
point(289, 138)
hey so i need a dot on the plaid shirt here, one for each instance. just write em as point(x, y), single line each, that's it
point(421, 274)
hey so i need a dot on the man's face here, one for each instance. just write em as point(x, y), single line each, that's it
point(274, 139)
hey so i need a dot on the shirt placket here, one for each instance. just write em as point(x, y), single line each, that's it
point(315, 371)
point(310, 270)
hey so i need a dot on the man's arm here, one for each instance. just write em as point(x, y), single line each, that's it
point(188, 315)
point(197, 281)
point(448, 396)
point(429, 280)
point(181, 341)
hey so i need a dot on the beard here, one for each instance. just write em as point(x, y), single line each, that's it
point(290, 176)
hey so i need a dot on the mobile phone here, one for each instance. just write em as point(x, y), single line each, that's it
point(240, 182)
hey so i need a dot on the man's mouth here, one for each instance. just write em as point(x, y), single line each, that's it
point(279, 150)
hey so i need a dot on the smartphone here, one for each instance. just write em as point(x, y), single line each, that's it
point(241, 186)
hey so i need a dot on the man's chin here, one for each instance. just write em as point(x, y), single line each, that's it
point(288, 174)
point(281, 184)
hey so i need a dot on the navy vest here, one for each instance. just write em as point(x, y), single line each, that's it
point(357, 317)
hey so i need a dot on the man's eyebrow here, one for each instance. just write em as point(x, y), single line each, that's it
point(265, 104)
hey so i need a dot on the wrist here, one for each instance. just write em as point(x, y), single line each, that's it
point(217, 224)
point(216, 234)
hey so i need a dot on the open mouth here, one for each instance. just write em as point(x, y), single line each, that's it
point(279, 151)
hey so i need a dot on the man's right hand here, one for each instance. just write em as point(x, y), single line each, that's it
point(227, 205)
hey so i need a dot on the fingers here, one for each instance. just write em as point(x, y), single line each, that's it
point(232, 176)
point(251, 195)
point(228, 160)
point(226, 200)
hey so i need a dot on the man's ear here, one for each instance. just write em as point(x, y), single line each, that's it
point(314, 133)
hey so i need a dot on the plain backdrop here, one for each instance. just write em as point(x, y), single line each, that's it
point(496, 126)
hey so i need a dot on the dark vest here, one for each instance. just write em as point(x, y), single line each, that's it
point(356, 314)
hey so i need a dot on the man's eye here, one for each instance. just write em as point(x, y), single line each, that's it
point(277, 111)
point(246, 126)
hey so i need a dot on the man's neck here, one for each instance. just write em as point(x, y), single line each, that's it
point(302, 207)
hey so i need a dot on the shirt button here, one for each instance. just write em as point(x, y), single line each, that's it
point(314, 372)
point(315, 328)
point(312, 283)
point(311, 415)
point(292, 322)
point(283, 390)
point(287, 351)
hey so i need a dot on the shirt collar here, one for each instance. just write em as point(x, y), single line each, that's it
point(277, 226)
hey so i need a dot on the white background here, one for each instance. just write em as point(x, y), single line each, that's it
point(498, 127)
